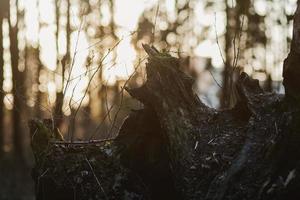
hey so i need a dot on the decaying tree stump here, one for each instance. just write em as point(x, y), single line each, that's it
point(178, 148)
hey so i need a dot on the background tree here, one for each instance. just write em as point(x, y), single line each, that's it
point(3, 15)
point(65, 61)
point(39, 66)
point(252, 35)
point(16, 78)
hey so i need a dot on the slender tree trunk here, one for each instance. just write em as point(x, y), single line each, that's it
point(68, 30)
point(112, 21)
point(38, 70)
point(14, 52)
point(225, 95)
point(39, 93)
point(1, 86)
point(65, 62)
point(59, 95)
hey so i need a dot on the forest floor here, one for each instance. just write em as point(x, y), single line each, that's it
point(15, 180)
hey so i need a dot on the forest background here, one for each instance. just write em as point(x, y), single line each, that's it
point(69, 60)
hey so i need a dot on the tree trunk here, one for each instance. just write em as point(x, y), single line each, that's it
point(65, 61)
point(59, 94)
point(1, 84)
point(38, 69)
point(16, 77)
point(225, 93)
point(178, 148)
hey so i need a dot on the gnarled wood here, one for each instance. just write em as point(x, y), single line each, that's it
point(178, 148)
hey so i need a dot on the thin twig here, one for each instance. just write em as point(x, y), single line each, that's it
point(73, 58)
point(217, 40)
point(106, 101)
point(215, 80)
point(239, 47)
point(97, 180)
point(102, 41)
point(90, 142)
point(116, 115)
point(234, 47)
point(78, 101)
point(72, 123)
point(78, 51)
point(119, 109)
point(154, 25)
point(112, 106)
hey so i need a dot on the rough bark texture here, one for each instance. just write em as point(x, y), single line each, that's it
point(178, 148)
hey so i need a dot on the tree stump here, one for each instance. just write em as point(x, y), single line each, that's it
point(178, 148)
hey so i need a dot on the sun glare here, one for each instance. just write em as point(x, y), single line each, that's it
point(41, 30)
